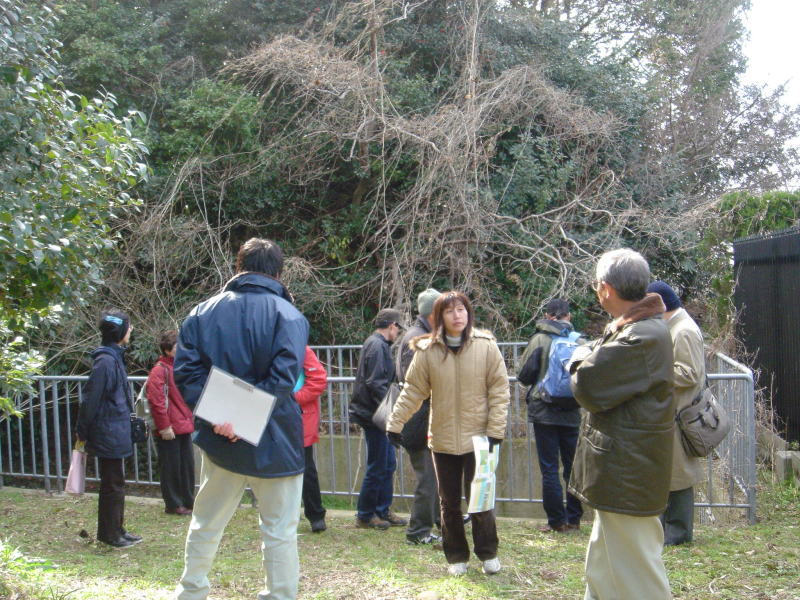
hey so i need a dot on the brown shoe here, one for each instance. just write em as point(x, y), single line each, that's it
point(181, 510)
point(563, 528)
point(373, 523)
point(574, 526)
point(394, 520)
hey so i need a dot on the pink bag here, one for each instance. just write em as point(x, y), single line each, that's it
point(76, 478)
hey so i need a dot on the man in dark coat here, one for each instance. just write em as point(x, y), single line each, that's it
point(251, 330)
point(414, 439)
point(104, 425)
point(374, 374)
point(555, 424)
point(624, 381)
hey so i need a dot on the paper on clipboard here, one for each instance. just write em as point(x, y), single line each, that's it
point(228, 399)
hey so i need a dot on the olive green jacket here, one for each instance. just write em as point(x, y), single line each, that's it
point(469, 392)
point(624, 381)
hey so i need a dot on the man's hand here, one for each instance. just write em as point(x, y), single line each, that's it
point(395, 439)
point(167, 434)
point(226, 430)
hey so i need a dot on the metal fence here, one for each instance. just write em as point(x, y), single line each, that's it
point(37, 447)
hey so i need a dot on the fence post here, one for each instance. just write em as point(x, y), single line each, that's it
point(45, 448)
point(57, 437)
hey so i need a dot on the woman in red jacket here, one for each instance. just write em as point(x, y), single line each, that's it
point(309, 388)
point(174, 424)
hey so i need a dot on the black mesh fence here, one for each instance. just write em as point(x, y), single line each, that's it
point(767, 294)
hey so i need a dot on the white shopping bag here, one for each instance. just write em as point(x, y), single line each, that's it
point(482, 488)
point(76, 478)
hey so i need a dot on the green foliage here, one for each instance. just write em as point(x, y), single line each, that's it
point(682, 133)
point(66, 163)
point(742, 215)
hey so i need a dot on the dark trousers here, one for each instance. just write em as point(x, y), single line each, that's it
point(375, 497)
point(426, 499)
point(176, 466)
point(678, 518)
point(453, 471)
point(552, 441)
point(110, 500)
point(312, 499)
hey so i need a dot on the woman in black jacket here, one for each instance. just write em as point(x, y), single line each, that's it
point(105, 427)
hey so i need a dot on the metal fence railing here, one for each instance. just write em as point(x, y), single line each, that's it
point(37, 446)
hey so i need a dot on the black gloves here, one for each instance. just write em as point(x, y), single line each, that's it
point(395, 439)
point(494, 442)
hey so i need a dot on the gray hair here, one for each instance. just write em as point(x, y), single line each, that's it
point(626, 271)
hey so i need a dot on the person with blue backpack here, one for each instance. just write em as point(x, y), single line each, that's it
point(553, 410)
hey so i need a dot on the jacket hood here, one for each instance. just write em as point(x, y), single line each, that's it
point(422, 323)
point(115, 350)
point(257, 282)
point(424, 342)
point(649, 306)
point(560, 328)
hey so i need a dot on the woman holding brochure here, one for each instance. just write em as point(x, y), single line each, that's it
point(462, 370)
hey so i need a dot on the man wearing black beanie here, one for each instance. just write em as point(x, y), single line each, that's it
point(690, 374)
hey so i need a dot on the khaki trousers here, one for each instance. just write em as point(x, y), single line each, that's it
point(623, 560)
point(279, 509)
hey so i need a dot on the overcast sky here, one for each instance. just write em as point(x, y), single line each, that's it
point(772, 49)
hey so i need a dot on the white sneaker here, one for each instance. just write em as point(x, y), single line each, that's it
point(491, 566)
point(457, 569)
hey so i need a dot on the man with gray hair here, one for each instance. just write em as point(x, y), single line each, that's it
point(624, 381)
point(414, 438)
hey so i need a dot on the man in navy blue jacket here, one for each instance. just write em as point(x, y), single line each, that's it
point(251, 330)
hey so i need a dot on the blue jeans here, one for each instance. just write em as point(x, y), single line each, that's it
point(375, 497)
point(552, 440)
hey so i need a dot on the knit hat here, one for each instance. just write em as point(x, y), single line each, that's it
point(113, 326)
point(387, 316)
point(425, 301)
point(668, 295)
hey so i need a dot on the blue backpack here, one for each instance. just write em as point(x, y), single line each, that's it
point(554, 386)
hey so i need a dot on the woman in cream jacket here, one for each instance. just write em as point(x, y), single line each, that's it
point(461, 369)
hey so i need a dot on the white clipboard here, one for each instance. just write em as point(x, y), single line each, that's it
point(228, 399)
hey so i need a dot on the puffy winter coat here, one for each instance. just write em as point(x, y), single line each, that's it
point(624, 381)
point(690, 375)
point(251, 330)
point(104, 415)
point(314, 381)
point(469, 392)
point(174, 413)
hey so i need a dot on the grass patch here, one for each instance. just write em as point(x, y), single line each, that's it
point(732, 562)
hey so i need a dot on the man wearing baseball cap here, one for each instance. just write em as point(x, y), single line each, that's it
point(374, 374)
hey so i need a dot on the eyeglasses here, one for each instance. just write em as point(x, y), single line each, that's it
point(400, 327)
point(596, 284)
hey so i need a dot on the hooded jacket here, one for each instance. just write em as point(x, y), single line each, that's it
point(104, 415)
point(624, 381)
point(469, 392)
point(251, 330)
point(539, 349)
point(415, 431)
